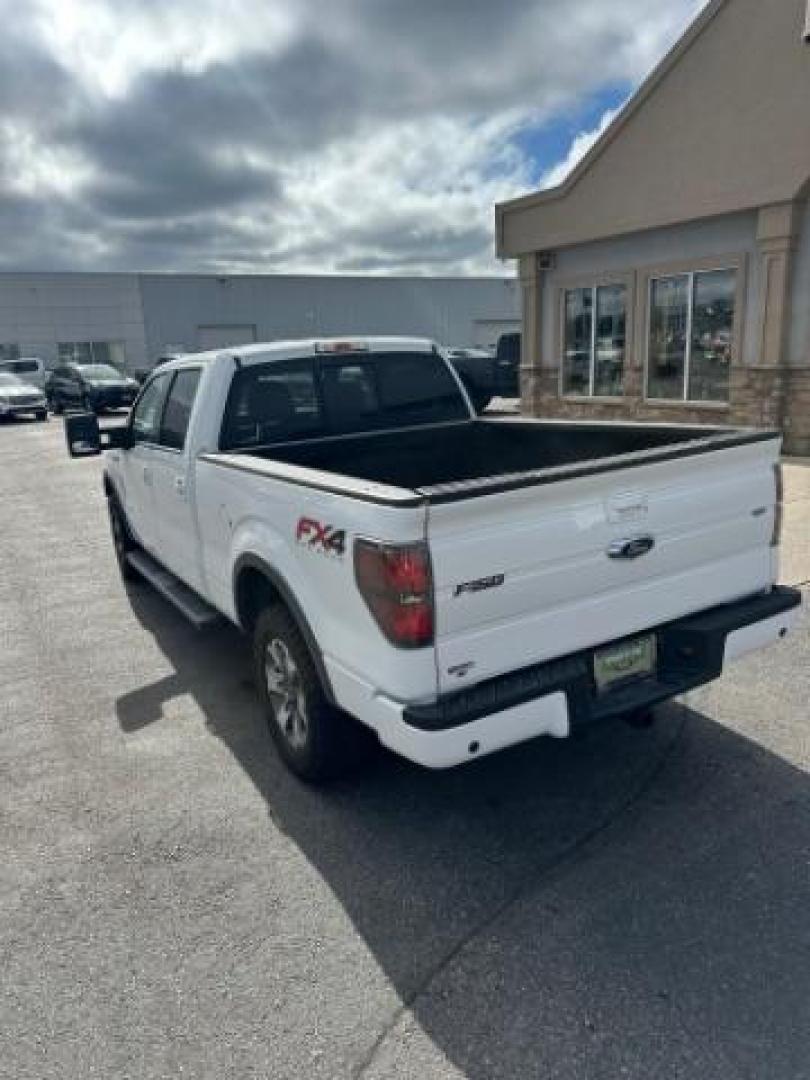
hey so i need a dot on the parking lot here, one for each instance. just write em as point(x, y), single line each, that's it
point(174, 903)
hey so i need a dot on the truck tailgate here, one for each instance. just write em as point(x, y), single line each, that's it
point(525, 575)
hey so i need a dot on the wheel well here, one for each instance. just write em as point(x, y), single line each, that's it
point(254, 592)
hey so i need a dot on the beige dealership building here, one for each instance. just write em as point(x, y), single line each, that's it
point(668, 278)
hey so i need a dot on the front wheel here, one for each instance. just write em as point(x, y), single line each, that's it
point(315, 740)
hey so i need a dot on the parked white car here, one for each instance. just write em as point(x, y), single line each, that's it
point(456, 584)
point(18, 398)
point(29, 368)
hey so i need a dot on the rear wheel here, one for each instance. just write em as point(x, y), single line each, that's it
point(42, 414)
point(315, 740)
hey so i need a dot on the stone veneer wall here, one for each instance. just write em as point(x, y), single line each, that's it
point(797, 412)
point(759, 397)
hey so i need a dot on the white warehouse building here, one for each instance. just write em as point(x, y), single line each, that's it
point(131, 319)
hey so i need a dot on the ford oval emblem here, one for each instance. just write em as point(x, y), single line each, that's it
point(632, 548)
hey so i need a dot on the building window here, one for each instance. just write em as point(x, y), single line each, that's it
point(691, 336)
point(93, 352)
point(594, 341)
point(9, 352)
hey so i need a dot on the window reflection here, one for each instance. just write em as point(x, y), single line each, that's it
point(712, 335)
point(691, 336)
point(578, 339)
point(593, 354)
point(611, 321)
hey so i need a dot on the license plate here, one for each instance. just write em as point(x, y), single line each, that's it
point(620, 663)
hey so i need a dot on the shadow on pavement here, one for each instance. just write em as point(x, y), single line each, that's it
point(626, 904)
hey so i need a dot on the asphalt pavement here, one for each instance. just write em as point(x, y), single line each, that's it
point(173, 903)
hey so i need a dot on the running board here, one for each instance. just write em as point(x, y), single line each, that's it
point(196, 610)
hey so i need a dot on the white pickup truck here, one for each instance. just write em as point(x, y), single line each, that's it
point(455, 583)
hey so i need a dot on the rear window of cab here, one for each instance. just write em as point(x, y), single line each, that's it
point(288, 400)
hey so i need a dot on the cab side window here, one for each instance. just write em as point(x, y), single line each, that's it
point(148, 412)
point(177, 413)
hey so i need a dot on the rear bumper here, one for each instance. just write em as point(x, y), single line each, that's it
point(559, 696)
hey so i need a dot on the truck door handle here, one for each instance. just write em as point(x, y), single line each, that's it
point(147, 476)
point(180, 485)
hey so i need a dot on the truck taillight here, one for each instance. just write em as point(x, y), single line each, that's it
point(778, 511)
point(396, 583)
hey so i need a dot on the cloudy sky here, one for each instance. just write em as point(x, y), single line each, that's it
point(347, 136)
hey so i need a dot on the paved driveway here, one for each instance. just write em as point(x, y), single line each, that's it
point(172, 903)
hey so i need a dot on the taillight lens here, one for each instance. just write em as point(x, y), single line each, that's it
point(395, 582)
point(778, 511)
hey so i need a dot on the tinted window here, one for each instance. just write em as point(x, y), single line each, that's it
point(302, 399)
point(271, 402)
point(178, 408)
point(417, 388)
point(350, 396)
point(147, 413)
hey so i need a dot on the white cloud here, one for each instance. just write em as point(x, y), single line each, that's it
point(291, 135)
point(579, 148)
point(108, 45)
point(405, 196)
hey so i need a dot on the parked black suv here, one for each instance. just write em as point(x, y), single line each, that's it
point(92, 387)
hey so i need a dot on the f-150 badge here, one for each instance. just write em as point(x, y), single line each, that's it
point(325, 539)
point(479, 584)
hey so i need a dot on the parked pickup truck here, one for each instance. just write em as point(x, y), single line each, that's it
point(455, 584)
point(486, 376)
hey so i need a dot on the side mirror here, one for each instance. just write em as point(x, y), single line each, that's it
point(82, 434)
point(86, 439)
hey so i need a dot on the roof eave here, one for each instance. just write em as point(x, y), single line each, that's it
point(633, 104)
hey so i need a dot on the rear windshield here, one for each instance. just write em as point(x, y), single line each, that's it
point(281, 401)
point(19, 367)
point(100, 371)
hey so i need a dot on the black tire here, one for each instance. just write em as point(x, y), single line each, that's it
point(56, 406)
point(327, 743)
point(42, 415)
point(122, 541)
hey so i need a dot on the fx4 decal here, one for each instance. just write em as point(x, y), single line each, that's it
point(325, 539)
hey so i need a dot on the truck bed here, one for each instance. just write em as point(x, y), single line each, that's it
point(453, 460)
